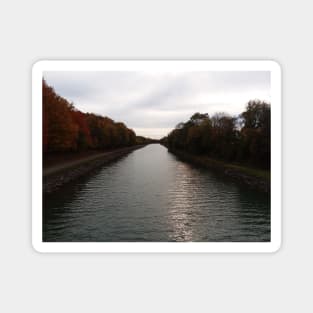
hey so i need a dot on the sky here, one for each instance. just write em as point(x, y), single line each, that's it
point(153, 103)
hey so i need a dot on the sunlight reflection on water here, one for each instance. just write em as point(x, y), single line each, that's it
point(149, 195)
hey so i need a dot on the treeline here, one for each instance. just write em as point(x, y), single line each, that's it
point(67, 129)
point(244, 139)
point(144, 140)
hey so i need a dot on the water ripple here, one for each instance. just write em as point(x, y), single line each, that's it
point(151, 196)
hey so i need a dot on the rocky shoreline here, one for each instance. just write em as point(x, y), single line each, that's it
point(234, 172)
point(53, 180)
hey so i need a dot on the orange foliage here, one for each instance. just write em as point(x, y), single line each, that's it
point(67, 129)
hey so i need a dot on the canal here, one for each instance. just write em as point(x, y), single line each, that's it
point(150, 195)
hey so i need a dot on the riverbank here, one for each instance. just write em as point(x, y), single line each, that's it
point(151, 196)
point(253, 177)
point(60, 173)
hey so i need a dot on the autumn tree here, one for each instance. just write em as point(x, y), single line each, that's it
point(244, 138)
point(84, 140)
point(67, 129)
point(59, 130)
point(256, 133)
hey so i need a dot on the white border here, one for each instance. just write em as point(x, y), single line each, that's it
point(177, 66)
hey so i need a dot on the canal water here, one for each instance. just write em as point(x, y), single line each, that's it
point(150, 195)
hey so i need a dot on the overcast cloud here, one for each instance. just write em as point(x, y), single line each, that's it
point(154, 103)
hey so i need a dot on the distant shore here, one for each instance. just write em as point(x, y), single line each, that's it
point(63, 169)
point(255, 178)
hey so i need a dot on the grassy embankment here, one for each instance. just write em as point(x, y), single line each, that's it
point(254, 177)
point(68, 168)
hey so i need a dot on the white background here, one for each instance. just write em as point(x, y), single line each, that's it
point(182, 66)
point(33, 30)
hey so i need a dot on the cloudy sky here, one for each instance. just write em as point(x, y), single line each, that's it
point(153, 103)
